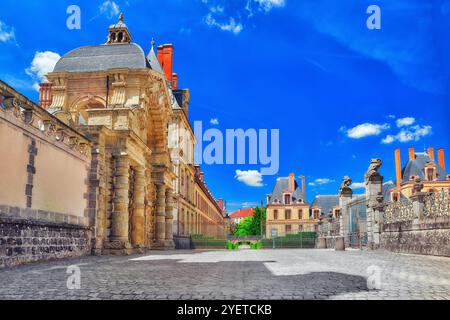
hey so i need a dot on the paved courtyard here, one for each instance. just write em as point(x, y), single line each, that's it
point(248, 274)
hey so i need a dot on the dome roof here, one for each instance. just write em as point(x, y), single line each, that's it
point(103, 57)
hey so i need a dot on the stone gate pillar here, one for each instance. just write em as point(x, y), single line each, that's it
point(138, 220)
point(374, 188)
point(169, 218)
point(160, 236)
point(120, 217)
point(345, 197)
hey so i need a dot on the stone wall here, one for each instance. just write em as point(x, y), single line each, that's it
point(28, 235)
point(428, 236)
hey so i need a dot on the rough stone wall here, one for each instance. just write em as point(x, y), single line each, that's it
point(428, 237)
point(33, 235)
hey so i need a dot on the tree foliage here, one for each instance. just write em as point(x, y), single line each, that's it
point(251, 226)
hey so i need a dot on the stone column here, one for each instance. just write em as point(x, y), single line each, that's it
point(169, 217)
point(120, 216)
point(137, 221)
point(160, 236)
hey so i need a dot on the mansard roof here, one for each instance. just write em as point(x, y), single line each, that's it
point(416, 168)
point(326, 203)
point(280, 187)
point(102, 58)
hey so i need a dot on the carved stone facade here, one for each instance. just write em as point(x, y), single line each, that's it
point(113, 96)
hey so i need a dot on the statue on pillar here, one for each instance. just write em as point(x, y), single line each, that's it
point(345, 189)
point(372, 173)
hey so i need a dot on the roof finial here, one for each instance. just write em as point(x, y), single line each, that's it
point(153, 42)
point(121, 17)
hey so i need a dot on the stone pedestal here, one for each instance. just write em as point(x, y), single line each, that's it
point(321, 243)
point(340, 244)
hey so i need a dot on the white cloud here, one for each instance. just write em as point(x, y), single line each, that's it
point(214, 121)
point(320, 181)
point(251, 178)
point(413, 133)
point(109, 8)
point(405, 122)
point(358, 185)
point(231, 25)
point(366, 130)
point(42, 64)
point(268, 5)
point(6, 33)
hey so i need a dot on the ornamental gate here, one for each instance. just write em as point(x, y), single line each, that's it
point(357, 224)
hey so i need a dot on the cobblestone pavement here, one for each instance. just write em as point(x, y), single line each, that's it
point(263, 274)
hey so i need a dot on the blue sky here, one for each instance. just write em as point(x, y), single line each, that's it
point(339, 93)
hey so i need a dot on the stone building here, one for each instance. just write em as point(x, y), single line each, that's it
point(422, 167)
point(182, 142)
point(122, 101)
point(209, 219)
point(287, 209)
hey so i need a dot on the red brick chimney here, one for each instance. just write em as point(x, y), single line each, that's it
point(412, 154)
point(45, 95)
point(441, 159)
point(431, 153)
point(398, 167)
point(165, 57)
point(175, 81)
point(292, 182)
point(220, 203)
point(304, 188)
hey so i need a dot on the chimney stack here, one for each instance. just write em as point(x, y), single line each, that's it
point(165, 58)
point(441, 159)
point(292, 182)
point(412, 154)
point(45, 95)
point(175, 81)
point(398, 167)
point(431, 153)
point(304, 188)
point(220, 203)
point(202, 176)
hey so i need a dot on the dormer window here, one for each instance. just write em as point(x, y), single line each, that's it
point(287, 199)
point(430, 174)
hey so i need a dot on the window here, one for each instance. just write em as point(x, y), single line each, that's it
point(287, 199)
point(288, 228)
point(275, 215)
point(430, 174)
point(300, 214)
point(316, 214)
point(288, 214)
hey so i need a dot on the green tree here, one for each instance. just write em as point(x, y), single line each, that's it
point(251, 226)
point(244, 228)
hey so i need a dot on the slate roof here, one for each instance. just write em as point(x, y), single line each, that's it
point(103, 57)
point(154, 62)
point(326, 203)
point(283, 185)
point(416, 168)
